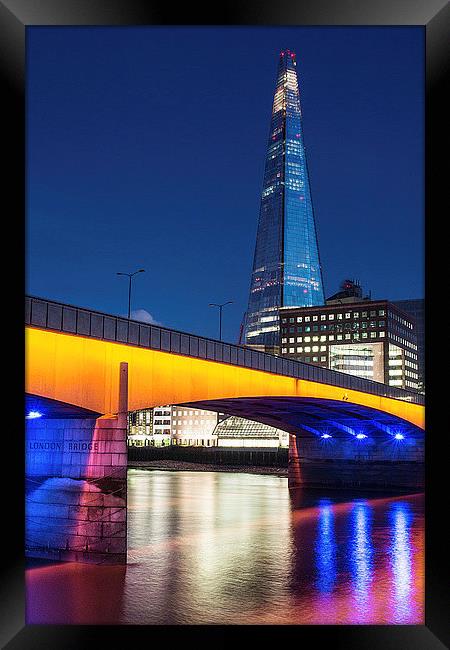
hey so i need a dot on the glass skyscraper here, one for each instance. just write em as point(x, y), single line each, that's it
point(286, 265)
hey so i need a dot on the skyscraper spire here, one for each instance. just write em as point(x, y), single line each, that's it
point(286, 265)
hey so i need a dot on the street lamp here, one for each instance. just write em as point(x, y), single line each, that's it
point(130, 275)
point(213, 304)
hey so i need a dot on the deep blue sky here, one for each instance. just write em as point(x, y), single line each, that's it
point(146, 148)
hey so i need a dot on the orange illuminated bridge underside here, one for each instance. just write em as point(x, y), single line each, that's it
point(85, 372)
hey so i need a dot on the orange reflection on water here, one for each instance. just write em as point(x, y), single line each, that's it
point(220, 548)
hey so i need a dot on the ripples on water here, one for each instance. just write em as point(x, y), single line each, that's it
point(216, 547)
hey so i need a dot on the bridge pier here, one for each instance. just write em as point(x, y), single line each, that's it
point(76, 487)
point(352, 463)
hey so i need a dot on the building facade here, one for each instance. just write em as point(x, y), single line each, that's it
point(373, 339)
point(172, 425)
point(416, 308)
point(234, 431)
point(286, 265)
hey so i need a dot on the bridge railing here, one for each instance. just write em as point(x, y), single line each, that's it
point(60, 317)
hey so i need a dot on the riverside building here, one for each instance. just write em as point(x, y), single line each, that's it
point(373, 339)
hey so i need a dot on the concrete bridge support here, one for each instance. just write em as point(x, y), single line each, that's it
point(368, 463)
point(76, 489)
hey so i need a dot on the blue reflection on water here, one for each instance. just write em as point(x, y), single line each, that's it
point(361, 552)
point(325, 548)
point(400, 555)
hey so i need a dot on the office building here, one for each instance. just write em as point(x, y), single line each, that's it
point(286, 265)
point(373, 339)
point(416, 308)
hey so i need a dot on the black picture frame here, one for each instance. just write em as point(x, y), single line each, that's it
point(15, 17)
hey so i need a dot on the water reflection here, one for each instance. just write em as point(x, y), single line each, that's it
point(325, 548)
point(361, 557)
point(212, 547)
point(400, 556)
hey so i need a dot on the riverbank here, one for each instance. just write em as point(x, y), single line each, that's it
point(185, 466)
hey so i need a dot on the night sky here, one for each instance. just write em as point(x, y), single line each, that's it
point(146, 149)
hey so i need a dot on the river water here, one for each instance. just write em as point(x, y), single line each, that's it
point(223, 548)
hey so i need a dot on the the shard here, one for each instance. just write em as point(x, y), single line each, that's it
point(286, 265)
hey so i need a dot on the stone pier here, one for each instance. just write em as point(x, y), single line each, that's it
point(349, 463)
point(76, 485)
point(76, 490)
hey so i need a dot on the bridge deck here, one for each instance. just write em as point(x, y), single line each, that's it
point(68, 319)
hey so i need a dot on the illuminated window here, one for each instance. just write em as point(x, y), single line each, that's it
point(299, 319)
point(323, 348)
point(315, 317)
point(307, 319)
point(339, 316)
point(323, 317)
point(347, 315)
point(356, 314)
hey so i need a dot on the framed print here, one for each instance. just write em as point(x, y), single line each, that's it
point(233, 423)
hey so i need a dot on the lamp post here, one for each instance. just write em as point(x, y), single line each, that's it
point(130, 275)
point(213, 304)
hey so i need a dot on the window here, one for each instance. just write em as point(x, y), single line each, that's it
point(315, 317)
point(381, 323)
point(299, 349)
point(382, 334)
point(283, 350)
point(300, 329)
point(373, 313)
point(323, 358)
point(307, 349)
point(284, 340)
point(291, 340)
point(339, 316)
point(291, 330)
point(315, 338)
point(299, 339)
point(291, 350)
point(356, 314)
point(347, 314)
point(299, 319)
point(307, 319)
point(347, 336)
point(373, 335)
point(381, 312)
point(307, 339)
point(331, 337)
point(323, 328)
point(315, 328)
point(323, 338)
point(291, 320)
point(339, 337)
point(323, 348)
point(323, 316)
point(330, 316)
point(364, 314)
point(316, 359)
point(307, 328)
point(307, 359)
point(364, 335)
